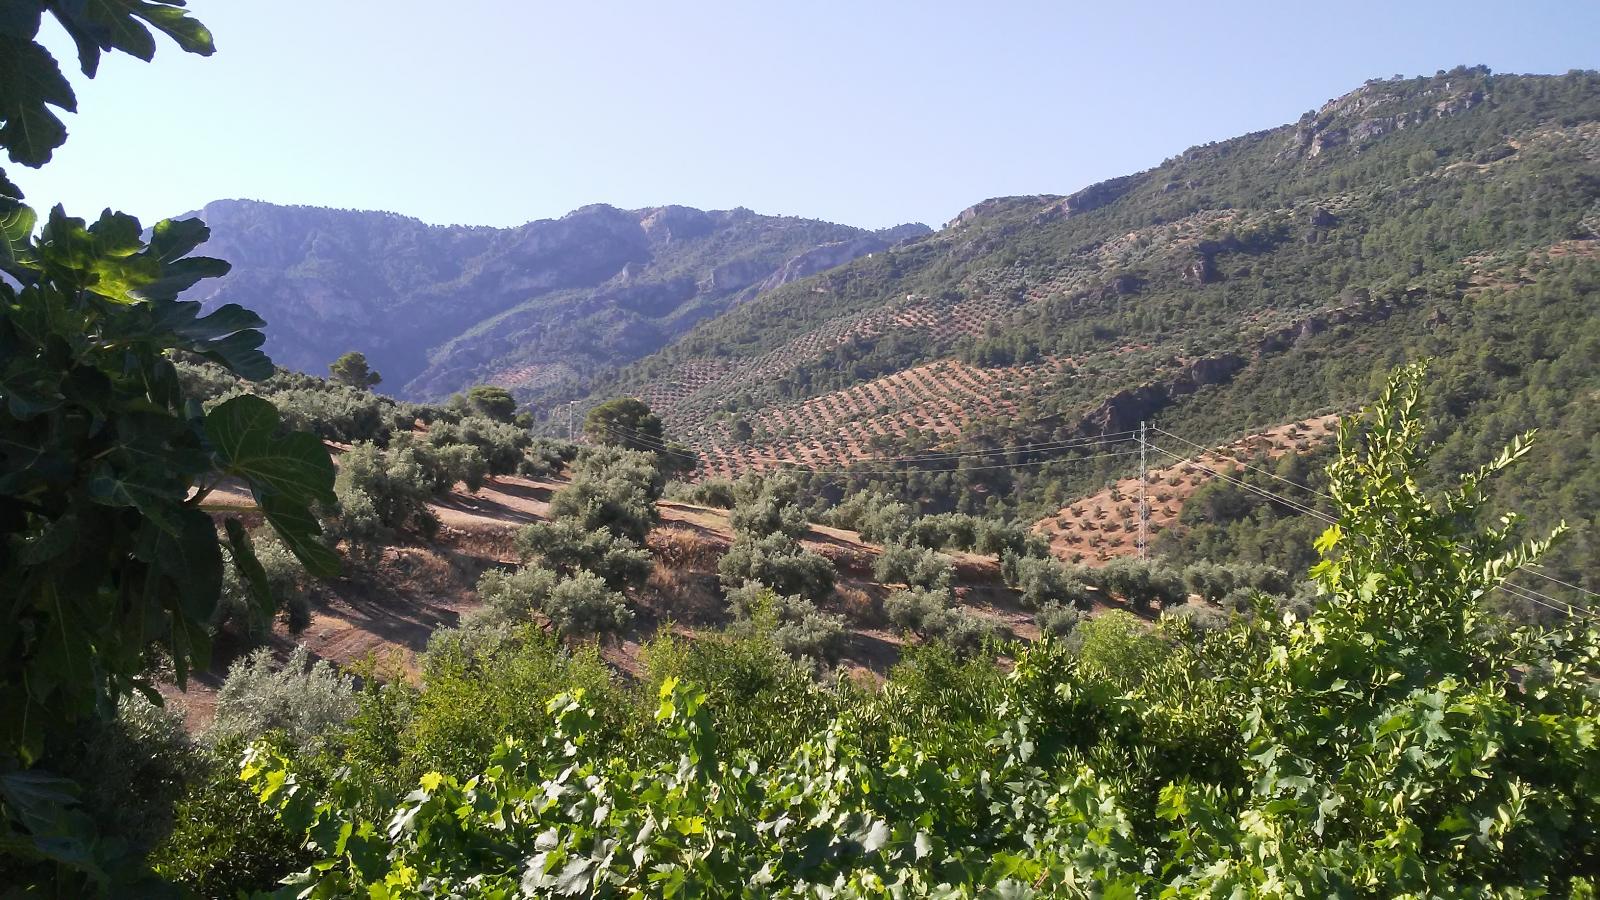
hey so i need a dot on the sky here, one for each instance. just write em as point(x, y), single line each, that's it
point(864, 113)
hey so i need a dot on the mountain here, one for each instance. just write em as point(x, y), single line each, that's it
point(1238, 286)
point(539, 308)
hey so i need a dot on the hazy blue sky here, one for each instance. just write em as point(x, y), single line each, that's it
point(866, 113)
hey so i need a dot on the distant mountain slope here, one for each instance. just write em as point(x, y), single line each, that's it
point(1106, 306)
point(1266, 279)
point(539, 308)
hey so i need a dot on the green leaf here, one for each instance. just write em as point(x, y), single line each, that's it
point(287, 473)
point(173, 239)
point(177, 24)
point(31, 83)
point(244, 559)
point(16, 226)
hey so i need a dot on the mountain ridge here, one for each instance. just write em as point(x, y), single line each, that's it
point(414, 297)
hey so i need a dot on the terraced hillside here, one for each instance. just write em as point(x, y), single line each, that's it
point(1266, 279)
point(1384, 198)
point(1105, 525)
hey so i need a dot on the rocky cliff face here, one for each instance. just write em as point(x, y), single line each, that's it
point(1381, 107)
point(539, 308)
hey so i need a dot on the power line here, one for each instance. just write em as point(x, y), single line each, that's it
point(1292, 504)
point(1265, 472)
point(1530, 570)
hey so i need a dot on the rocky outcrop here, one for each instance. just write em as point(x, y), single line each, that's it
point(995, 205)
point(1201, 269)
point(1124, 410)
point(1093, 197)
point(1383, 107)
point(822, 258)
point(668, 223)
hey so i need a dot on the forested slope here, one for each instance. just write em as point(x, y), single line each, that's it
point(1238, 286)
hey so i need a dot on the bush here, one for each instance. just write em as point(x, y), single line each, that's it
point(566, 547)
point(1201, 620)
point(875, 516)
point(301, 700)
point(397, 482)
point(915, 566)
point(1044, 581)
point(1057, 620)
point(768, 514)
point(933, 615)
point(778, 561)
point(579, 604)
point(583, 604)
point(1143, 583)
point(1215, 581)
point(793, 622)
point(544, 458)
point(335, 412)
point(612, 489)
point(355, 521)
point(503, 447)
point(223, 842)
point(1118, 647)
point(287, 582)
point(459, 463)
point(714, 492)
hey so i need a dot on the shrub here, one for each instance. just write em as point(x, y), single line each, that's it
point(301, 700)
point(613, 489)
point(355, 521)
point(715, 492)
point(579, 604)
point(335, 412)
point(915, 566)
point(459, 463)
point(287, 582)
point(544, 458)
point(1057, 620)
point(768, 514)
point(778, 561)
point(398, 482)
point(793, 622)
point(566, 547)
point(514, 597)
point(1141, 582)
point(1118, 647)
point(502, 446)
point(1201, 620)
point(222, 841)
point(874, 516)
point(1043, 581)
point(583, 605)
point(933, 615)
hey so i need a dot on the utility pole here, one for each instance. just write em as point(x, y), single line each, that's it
point(1144, 511)
point(571, 404)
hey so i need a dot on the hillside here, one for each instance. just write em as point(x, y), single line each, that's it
point(539, 308)
point(1238, 286)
